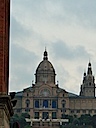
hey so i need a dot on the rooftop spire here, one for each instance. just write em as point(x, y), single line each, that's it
point(89, 68)
point(45, 55)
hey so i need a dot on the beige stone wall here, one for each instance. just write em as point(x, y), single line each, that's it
point(73, 105)
point(79, 106)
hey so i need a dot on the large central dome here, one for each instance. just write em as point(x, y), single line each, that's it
point(45, 72)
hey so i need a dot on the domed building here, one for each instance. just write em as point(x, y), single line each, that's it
point(48, 104)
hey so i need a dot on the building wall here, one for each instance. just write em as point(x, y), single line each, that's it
point(73, 105)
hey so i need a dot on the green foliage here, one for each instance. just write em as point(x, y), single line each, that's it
point(85, 119)
point(21, 120)
point(69, 117)
point(94, 121)
point(27, 126)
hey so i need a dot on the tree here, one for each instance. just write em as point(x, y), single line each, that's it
point(85, 119)
point(69, 117)
point(94, 121)
point(20, 120)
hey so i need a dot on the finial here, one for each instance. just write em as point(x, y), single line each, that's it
point(45, 55)
point(84, 72)
point(89, 64)
point(45, 48)
point(57, 83)
point(89, 68)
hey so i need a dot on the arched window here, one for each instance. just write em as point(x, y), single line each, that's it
point(37, 104)
point(45, 103)
point(27, 103)
point(27, 94)
point(54, 104)
point(45, 92)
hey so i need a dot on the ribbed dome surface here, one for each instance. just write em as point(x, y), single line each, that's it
point(45, 71)
point(45, 65)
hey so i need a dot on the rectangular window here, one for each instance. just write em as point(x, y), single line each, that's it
point(90, 111)
point(27, 109)
point(45, 115)
point(36, 103)
point(54, 104)
point(84, 111)
point(72, 111)
point(62, 116)
point(36, 115)
point(54, 115)
point(78, 111)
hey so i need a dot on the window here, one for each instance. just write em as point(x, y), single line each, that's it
point(27, 110)
point(27, 94)
point(54, 115)
point(72, 111)
point(54, 104)
point(45, 115)
point(63, 110)
point(27, 103)
point(84, 111)
point(36, 116)
point(62, 116)
point(90, 111)
point(63, 105)
point(78, 111)
point(37, 104)
point(63, 101)
point(45, 103)
point(45, 92)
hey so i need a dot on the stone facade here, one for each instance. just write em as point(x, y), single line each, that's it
point(45, 99)
point(6, 111)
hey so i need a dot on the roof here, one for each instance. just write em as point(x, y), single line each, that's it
point(72, 95)
point(19, 93)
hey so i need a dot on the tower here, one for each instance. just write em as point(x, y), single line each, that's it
point(4, 45)
point(5, 103)
point(88, 84)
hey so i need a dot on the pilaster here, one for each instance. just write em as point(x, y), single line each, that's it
point(6, 111)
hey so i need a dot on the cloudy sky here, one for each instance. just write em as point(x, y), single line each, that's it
point(66, 27)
